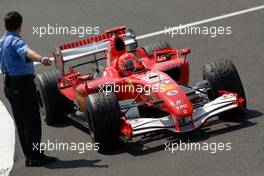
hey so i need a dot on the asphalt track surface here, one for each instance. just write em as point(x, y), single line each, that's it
point(146, 155)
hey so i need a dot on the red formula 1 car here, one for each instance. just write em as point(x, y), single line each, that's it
point(153, 79)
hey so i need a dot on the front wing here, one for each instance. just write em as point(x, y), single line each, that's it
point(200, 115)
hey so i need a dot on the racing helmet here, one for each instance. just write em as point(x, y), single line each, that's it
point(127, 63)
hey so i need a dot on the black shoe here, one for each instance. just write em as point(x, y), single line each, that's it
point(40, 160)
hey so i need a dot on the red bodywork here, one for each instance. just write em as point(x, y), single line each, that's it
point(77, 86)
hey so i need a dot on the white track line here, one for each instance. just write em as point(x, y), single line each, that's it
point(201, 22)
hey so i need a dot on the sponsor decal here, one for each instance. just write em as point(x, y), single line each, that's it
point(136, 121)
point(181, 107)
point(227, 96)
point(153, 77)
point(164, 82)
point(167, 87)
point(172, 92)
point(179, 102)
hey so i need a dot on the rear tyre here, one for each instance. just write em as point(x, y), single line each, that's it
point(222, 75)
point(149, 49)
point(52, 104)
point(103, 117)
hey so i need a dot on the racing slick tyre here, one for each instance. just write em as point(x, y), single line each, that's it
point(103, 118)
point(52, 104)
point(149, 49)
point(222, 75)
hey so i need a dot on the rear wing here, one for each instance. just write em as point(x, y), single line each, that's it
point(92, 46)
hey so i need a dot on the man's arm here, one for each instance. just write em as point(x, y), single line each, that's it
point(25, 52)
point(35, 57)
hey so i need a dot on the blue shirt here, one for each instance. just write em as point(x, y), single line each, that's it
point(13, 56)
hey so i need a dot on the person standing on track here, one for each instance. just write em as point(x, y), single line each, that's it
point(16, 61)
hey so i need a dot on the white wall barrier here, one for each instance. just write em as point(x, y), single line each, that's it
point(7, 141)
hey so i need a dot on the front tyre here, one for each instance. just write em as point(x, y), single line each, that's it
point(103, 117)
point(222, 75)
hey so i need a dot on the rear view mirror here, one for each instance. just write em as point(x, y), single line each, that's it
point(184, 51)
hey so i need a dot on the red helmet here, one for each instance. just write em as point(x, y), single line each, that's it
point(127, 63)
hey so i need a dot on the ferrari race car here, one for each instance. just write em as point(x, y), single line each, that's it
point(118, 75)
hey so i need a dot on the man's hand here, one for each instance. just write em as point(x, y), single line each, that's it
point(35, 57)
point(45, 61)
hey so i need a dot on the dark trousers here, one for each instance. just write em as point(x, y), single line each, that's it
point(22, 95)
